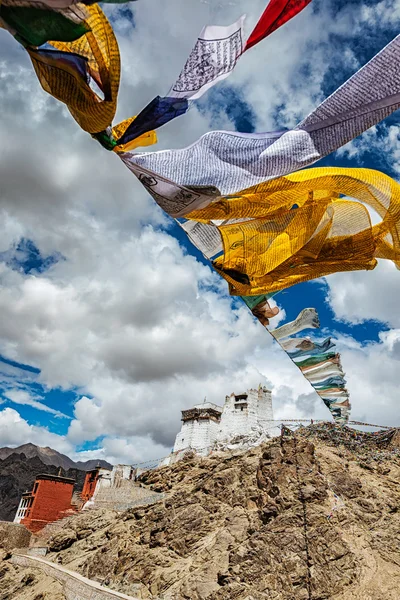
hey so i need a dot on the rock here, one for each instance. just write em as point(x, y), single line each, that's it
point(250, 526)
point(81, 534)
point(62, 540)
point(28, 579)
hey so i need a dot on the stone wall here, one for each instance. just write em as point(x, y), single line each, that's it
point(265, 413)
point(239, 415)
point(13, 536)
point(121, 473)
point(199, 434)
point(127, 495)
point(246, 413)
point(76, 587)
point(37, 551)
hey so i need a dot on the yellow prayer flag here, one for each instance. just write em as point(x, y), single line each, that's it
point(303, 226)
point(100, 49)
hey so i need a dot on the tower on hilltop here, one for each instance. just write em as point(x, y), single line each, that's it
point(243, 414)
point(200, 428)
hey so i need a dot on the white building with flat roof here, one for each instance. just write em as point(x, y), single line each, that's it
point(200, 428)
point(246, 413)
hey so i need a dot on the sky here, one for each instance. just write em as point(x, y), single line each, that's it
point(111, 321)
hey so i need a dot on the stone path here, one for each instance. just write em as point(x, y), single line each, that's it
point(76, 587)
point(126, 495)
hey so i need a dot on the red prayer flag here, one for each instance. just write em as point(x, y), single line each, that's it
point(277, 13)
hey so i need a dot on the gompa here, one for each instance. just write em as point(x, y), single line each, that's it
point(245, 415)
point(49, 501)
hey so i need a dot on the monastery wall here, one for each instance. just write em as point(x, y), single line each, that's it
point(121, 473)
point(126, 495)
point(118, 490)
point(242, 415)
point(265, 412)
point(51, 500)
point(199, 434)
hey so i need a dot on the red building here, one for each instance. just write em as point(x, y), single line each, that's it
point(90, 483)
point(49, 500)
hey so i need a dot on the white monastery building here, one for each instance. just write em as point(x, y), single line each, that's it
point(247, 415)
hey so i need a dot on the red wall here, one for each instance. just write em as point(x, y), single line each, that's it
point(51, 499)
point(89, 485)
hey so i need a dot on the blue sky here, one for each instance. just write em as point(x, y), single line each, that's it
point(112, 319)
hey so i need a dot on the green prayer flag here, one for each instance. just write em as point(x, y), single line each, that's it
point(36, 26)
point(252, 301)
point(316, 359)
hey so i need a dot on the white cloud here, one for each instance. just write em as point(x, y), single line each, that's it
point(23, 397)
point(372, 376)
point(142, 328)
point(373, 295)
point(15, 431)
point(381, 140)
point(386, 12)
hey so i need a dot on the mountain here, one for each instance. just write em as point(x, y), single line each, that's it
point(48, 456)
point(315, 515)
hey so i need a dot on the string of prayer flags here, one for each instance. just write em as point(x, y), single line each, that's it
point(240, 198)
point(319, 366)
point(232, 161)
point(213, 58)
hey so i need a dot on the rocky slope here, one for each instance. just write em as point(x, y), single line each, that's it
point(26, 584)
point(17, 475)
point(302, 518)
point(48, 456)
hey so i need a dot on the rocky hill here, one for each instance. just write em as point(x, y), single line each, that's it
point(17, 475)
point(48, 456)
point(311, 516)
